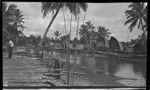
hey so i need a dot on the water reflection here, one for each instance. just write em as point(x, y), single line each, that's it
point(131, 77)
point(126, 73)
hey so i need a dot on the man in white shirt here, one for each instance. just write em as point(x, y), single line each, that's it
point(10, 48)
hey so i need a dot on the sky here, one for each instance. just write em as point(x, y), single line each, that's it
point(109, 15)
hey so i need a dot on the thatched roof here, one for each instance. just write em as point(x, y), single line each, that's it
point(104, 41)
point(115, 44)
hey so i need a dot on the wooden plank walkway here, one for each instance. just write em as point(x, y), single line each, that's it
point(23, 71)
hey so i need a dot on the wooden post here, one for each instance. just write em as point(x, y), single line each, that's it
point(68, 64)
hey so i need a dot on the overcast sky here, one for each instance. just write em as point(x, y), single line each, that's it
point(109, 15)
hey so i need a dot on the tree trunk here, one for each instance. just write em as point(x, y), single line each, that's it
point(68, 58)
point(53, 18)
point(84, 18)
point(142, 26)
point(46, 31)
point(77, 26)
point(70, 26)
point(86, 34)
point(16, 42)
point(86, 41)
point(65, 22)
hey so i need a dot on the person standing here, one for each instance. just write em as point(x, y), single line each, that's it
point(10, 48)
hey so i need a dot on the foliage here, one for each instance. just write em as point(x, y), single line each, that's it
point(74, 42)
point(65, 37)
point(90, 35)
point(141, 40)
point(12, 21)
point(102, 32)
point(54, 7)
point(34, 40)
point(31, 40)
point(57, 34)
point(74, 8)
point(137, 15)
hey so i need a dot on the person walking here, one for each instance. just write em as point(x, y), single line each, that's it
point(10, 48)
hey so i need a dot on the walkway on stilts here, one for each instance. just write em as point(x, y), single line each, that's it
point(23, 71)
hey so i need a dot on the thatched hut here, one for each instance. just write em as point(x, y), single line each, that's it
point(102, 43)
point(115, 45)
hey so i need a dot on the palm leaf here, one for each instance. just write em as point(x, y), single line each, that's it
point(132, 25)
point(129, 21)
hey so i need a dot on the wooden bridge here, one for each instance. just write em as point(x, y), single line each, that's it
point(26, 71)
point(23, 71)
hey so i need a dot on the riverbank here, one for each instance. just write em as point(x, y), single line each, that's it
point(123, 56)
point(23, 70)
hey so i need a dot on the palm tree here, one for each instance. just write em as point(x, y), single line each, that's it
point(7, 17)
point(145, 18)
point(65, 22)
point(87, 32)
point(137, 15)
point(84, 33)
point(55, 8)
point(102, 35)
point(12, 16)
point(18, 20)
point(12, 19)
point(57, 34)
point(103, 32)
point(91, 32)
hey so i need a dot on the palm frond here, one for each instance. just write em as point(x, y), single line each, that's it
point(132, 25)
point(74, 8)
point(83, 6)
point(47, 7)
point(139, 24)
point(129, 21)
point(130, 12)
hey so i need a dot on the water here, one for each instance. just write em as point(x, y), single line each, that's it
point(108, 72)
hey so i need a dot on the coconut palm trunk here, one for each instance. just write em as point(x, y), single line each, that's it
point(75, 53)
point(16, 39)
point(70, 25)
point(68, 53)
point(86, 34)
point(64, 22)
point(87, 41)
point(48, 7)
point(68, 59)
point(47, 29)
point(52, 20)
point(76, 34)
